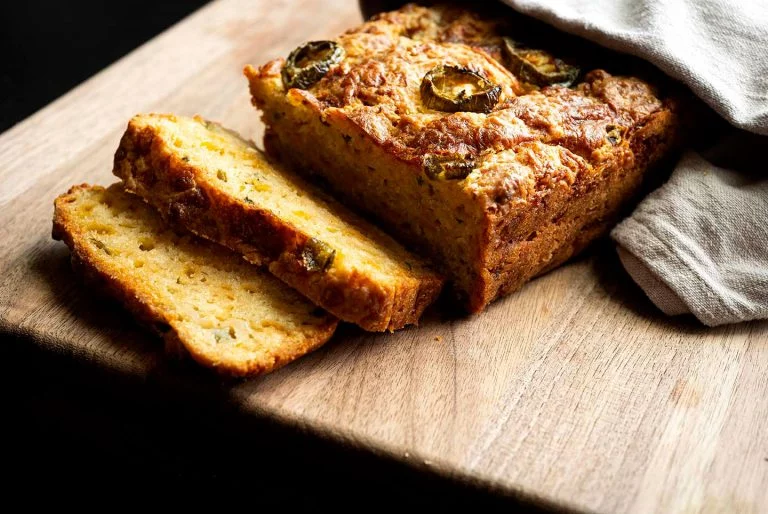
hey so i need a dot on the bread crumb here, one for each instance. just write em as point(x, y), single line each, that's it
point(188, 282)
point(439, 339)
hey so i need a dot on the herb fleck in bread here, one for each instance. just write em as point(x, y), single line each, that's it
point(219, 186)
point(503, 180)
point(225, 313)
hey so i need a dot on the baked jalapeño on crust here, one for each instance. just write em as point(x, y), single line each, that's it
point(537, 66)
point(309, 62)
point(454, 88)
point(451, 167)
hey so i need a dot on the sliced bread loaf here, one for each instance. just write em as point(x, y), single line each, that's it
point(219, 186)
point(202, 298)
point(461, 141)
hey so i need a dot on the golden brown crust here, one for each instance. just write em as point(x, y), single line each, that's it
point(549, 163)
point(377, 87)
point(149, 166)
point(135, 296)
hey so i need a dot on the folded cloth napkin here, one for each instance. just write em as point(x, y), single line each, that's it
point(698, 244)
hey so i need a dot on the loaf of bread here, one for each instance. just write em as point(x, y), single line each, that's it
point(499, 160)
point(202, 298)
point(221, 187)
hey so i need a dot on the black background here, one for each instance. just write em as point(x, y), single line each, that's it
point(50, 47)
point(73, 435)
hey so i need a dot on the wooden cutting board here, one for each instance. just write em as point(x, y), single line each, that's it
point(575, 390)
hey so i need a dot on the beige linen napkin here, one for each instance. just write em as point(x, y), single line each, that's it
point(698, 244)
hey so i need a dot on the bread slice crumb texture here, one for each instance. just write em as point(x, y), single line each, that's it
point(236, 167)
point(226, 313)
point(307, 239)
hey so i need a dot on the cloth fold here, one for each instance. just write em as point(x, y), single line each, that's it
point(698, 244)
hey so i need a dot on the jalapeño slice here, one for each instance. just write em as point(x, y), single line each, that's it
point(309, 63)
point(448, 167)
point(537, 66)
point(454, 89)
point(317, 255)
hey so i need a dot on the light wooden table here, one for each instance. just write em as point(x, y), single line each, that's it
point(574, 390)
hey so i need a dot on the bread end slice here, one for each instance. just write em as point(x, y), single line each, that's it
point(219, 186)
point(203, 299)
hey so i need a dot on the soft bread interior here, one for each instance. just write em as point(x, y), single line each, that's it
point(227, 313)
point(240, 170)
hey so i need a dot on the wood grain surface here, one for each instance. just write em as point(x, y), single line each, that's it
point(575, 390)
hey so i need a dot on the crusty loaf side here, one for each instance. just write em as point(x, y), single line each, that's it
point(221, 187)
point(548, 168)
point(223, 312)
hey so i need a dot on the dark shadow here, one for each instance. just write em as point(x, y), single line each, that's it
point(74, 40)
point(72, 428)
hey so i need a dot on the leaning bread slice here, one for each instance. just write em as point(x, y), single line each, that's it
point(225, 313)
point(221, 187)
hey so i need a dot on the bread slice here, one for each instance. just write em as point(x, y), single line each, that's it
point(225, 313)
point(221, 187)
